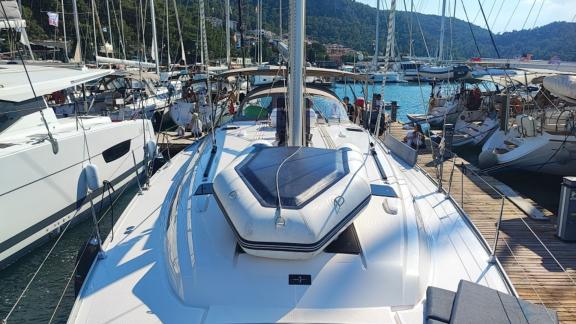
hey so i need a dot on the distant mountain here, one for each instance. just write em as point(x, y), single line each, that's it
point(345, 22)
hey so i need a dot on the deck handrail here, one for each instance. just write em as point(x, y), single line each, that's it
point(467, 169)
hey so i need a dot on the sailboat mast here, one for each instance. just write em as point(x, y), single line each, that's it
point(411, 28)
point(296, 103)
point(375, 59)
point(154, 37)
point(94, 30)
point(201, 40)
point(180, 33)
point(64, 30)
point(228, 58)
point(441, 45)
point(122, 30)
point(259, 31)
point(78, 51)
point(168, 34)
point(109, 27)
point(241, 29)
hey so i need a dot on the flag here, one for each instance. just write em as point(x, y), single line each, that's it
point(52, 18)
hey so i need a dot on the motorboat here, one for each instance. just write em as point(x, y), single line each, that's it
point(288, 213)
point(51, 168)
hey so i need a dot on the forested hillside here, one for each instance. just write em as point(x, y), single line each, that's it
point(329, 21)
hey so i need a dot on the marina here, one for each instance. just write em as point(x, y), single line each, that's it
point(270, 161)
point(541, 266)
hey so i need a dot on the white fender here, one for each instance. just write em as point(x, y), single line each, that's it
point(151, 148)
point(92, 177)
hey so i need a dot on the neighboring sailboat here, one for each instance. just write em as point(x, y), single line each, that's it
point(541, 141)
point(60, 164)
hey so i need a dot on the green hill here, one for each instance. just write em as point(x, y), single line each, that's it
point(328, 21)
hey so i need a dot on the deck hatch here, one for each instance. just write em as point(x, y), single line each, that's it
point(305, 175)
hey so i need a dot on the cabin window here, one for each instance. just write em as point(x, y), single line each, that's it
point(117, 151)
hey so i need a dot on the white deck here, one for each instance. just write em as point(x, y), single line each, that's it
point(191, 271)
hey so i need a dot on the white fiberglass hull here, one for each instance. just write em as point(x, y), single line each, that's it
point(41, 191)
point(546, 153)
point(182, 262)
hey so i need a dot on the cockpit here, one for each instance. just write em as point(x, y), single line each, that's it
point(264, 102)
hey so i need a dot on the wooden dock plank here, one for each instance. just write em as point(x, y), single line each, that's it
point(528, 263)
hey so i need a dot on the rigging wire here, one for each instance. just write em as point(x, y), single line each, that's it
point(538, 14)
point(511, 16)
point(498, 13)
point(528, 16)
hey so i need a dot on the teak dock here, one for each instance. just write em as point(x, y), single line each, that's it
point(541, 267)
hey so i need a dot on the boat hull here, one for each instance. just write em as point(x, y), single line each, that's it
point(57, 183)
point(543, 153)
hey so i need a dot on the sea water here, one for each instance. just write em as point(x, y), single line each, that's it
point(412, 98)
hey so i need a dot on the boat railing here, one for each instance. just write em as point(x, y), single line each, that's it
point(446, 181)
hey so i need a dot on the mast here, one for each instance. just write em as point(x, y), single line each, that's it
point(122, 30)
point(154, 37)
point(280, 37)
point(109, 27)
point(441, 46)
point(296, 102)
point(143, 24)
point(78, 51)
point(410, 29)
point(94, 30)
point(375, 59)
point(180, 33)
point(241, 28)
point(64, 28)
point(168, 34)
point(227, 9)
point(258, 53)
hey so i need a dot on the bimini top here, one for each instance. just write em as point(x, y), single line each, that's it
point(15, 87)
point(321, 192)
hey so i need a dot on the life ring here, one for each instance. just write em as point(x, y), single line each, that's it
point(516, 104)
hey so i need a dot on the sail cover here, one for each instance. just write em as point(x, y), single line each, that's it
point(12, 18)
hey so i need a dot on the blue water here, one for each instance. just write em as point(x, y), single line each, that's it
point(412, 98)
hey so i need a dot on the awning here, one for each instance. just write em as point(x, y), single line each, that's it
point(15, 87)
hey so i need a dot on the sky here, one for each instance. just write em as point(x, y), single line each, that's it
point(502, 15)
